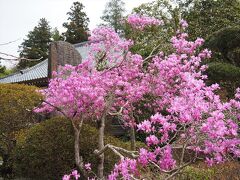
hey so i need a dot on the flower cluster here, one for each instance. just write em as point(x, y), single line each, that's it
point(107, 47)
point(77, 93)
point(183, 24)
point(140, 22)
point(126, 168)
point(74, 174)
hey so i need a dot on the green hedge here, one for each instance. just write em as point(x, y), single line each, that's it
point(16, 103)
point(223, 72)
point(224, 171)
point(226, 41)
point(46, 151)
point(227, 75)
point(192, 173)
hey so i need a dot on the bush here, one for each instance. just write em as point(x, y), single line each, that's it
point(226, 41)
point(16, 103)
point(225, 171)
point(223, 71)
point(46, 151)
point(193, 173)
point(227, 75)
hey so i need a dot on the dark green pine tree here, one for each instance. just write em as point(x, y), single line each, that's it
point(2, 69)
point(114, 14)
point(36, 45)
point(77, 27)
point(56, 36)
point(208, 16)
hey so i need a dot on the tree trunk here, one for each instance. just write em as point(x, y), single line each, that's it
point(100, 147)
point(78, 158)
point(133, 139)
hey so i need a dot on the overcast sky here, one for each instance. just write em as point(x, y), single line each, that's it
point(18, 17)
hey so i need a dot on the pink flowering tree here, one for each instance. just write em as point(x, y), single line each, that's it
point(103, 85)
point(187, 115)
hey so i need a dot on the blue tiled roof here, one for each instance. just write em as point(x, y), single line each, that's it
point(36, 72)
point(83, 49)
point(40, 70)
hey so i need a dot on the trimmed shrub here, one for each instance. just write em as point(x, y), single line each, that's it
point(192, 173)
point(226, 41)
point(225, 171)
point(46, 151)
point(223, 72)
point(227, 75)
point(16, 103)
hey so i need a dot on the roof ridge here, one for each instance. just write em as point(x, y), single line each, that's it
point(25, 70)
point(84, 43)
point(33, 67)
point(9, 75)
point(81, 43)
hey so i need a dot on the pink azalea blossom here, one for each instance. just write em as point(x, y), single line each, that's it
point(66, 177)
point(75, 174)
point(140, 22)
point(88, 166)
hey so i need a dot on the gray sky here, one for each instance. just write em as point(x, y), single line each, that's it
point(18, 17)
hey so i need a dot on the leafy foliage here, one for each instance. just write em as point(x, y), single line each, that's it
point(209, 16)
point(227, 75)
point(213, 20)
point(4, 71)
point(196, 174)
point(16, 103)
point(218, 71)
point(226, 42)
point(56, 36)
point(227, 170)
point(45, 150)
point(77, 26)
point(152, 37)
point(170, 13)
point(113, 14)
point(36, 45)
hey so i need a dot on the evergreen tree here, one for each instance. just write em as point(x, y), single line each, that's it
point(208, 16)
point(56, 36)
point(2, 69)
point(77, 27)
point(36, 45)
point(113, 14)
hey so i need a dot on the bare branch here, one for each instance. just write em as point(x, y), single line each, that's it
point(119, 112)
point(116, 150)
point(130, 153)
point(177, 170)
point(108, 146)
point(117, 66)
point(151, 54)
